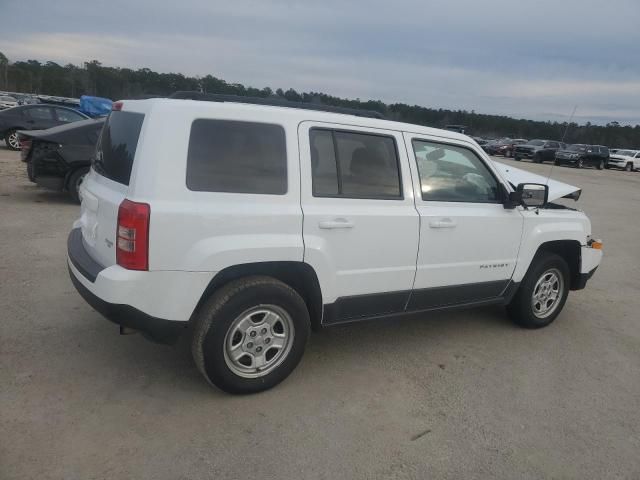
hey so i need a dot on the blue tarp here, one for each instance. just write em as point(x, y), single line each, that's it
point(95, 106)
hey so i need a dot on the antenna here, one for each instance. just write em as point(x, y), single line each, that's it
point(562, 141)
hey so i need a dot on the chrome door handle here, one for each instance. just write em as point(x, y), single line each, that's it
point(443, 223)
point(335, 223)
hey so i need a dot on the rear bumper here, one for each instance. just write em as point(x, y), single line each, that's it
point(158, 303)
point(156, 329)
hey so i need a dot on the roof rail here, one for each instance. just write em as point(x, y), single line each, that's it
point(274, 102)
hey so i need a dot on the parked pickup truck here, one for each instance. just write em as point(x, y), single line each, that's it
point(628, 160)
point(538, 150)
point(257, 221)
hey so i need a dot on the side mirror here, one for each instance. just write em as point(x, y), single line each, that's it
point(533, 194)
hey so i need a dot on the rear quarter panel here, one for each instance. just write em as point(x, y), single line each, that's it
point(208, 231)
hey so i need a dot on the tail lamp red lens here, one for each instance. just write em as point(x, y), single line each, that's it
point(132, 236)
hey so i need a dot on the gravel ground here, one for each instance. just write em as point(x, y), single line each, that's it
point(450, 395)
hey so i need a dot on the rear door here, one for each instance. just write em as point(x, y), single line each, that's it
point(360, 222)
point(40, 118)
point(104, 189)
point(469, 242)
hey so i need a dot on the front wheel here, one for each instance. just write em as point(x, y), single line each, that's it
point(517, 158)
point(628, 167)
point(11, 139)
point(580, 163)
point(250, 335)
point(542, 293)
point(601, 165)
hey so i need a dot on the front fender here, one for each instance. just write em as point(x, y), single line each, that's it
point(548, 226)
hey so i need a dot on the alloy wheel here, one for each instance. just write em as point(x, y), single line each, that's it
point(547, 293)
point(258, 341)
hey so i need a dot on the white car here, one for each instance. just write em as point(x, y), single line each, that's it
point(628, 160)
point(7, 101)
point(254, 224)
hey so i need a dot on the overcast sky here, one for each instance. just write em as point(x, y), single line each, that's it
point(523, 59)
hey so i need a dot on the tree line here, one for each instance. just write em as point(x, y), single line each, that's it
point(93, 78)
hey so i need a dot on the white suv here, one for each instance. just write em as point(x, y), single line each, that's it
point(254, 224)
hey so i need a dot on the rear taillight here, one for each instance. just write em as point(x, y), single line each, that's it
point(117, 106)
point(132, 236)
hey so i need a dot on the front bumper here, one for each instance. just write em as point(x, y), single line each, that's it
point(590, 259)
point(523, 153)
point(158, 303)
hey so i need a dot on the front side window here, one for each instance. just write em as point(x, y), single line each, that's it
point(237, 157)
point(450, 173)
point(354, 165)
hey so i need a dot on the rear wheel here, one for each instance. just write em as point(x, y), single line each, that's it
point(601, 165)
point(556, 163)
point(517, 158)
point(11, 139)
point(75, 182)
point(542, 293)
point(537, 158)
point(580, 163)
point(250, 335)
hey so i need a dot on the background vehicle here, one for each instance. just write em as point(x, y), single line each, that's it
point(257, 222)
point(583, 155)
point(7, 101)
point(58, 158)
point(538, 150)
point(505, 146)
point(628, 160)
point(34, 117)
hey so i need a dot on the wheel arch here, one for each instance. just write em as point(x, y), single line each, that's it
point(570, 251)
point(298, 275)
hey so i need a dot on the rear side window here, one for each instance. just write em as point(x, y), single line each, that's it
point(41, 113)
point(354, 165)
point(237, 157)
point(117, 146)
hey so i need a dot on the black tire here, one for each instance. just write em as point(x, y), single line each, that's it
point(521, 309)
point(11, 139)
point(30, 175)
point(556, 163)
point(537, 158)
point(517, 158)
point(222, 310)
point(74, 182)
point(509, 154)
point(600, 165)
point(580, 163)
point(628, 167)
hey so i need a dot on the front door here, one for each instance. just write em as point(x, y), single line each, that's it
point(360, 222)
point(468, 241)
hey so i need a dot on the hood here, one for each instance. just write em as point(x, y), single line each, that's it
point(556, 189)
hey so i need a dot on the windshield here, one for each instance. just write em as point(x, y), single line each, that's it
point(537, 143)
point(577, 148)
point(626, 153)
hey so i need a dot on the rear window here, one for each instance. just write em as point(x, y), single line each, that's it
point(237, 157)
point(117, 146)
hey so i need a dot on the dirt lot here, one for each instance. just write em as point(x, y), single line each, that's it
point(457, 395)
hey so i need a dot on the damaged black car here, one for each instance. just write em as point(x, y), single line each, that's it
point(58, 158)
